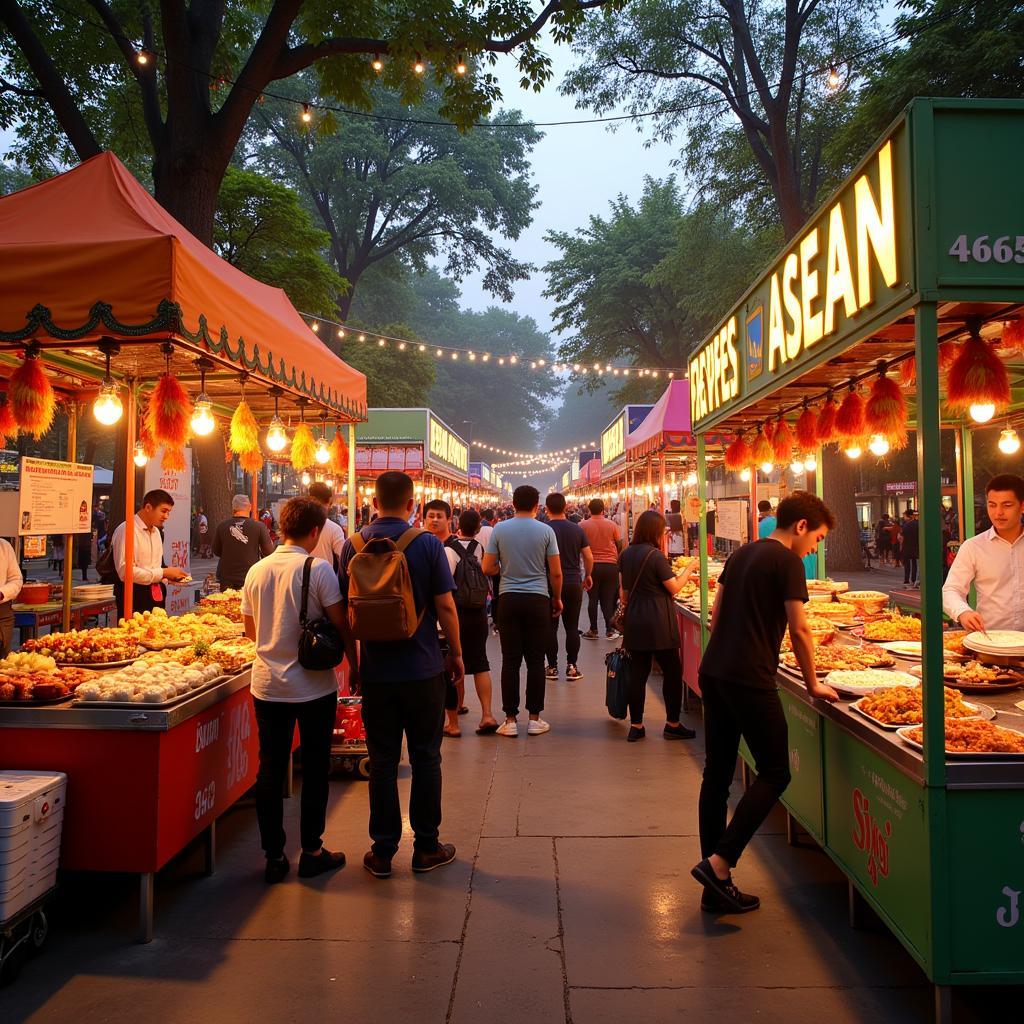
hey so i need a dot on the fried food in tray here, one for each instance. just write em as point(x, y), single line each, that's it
point(974, 737)
point(892, 627)
point(953, 642)
point(830, 657)
point(85, 646)
point(901, 705)
point(822, 632)
point(46, 685)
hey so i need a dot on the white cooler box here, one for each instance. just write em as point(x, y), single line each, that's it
point(31, 814)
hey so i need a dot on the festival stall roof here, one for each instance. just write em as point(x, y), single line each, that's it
point(667, 425)
point(90, 254)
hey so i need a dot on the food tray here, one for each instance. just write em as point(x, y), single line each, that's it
point(98, 666)
point(959, 755)
point(133, 705)
point(49, 702)
point(174, 645)
point(979, 688)
point(985, 713)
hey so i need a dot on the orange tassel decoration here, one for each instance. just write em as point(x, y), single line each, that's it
point(761, 450)
point(886, 411)
point(807, 431)
point(826, 427)
point(908, 368)
point(850, 418)
point(738, 455)
point(146, 436)
point(1013, 337)
point(977, 377)
point(769, 430)
point(8, 426)
point(245, 432)
point(173, 460)
point(303, 448)
point(169, 412)
point(251, 462)
point(339, 453)
point(782, 441)
point(31, 398)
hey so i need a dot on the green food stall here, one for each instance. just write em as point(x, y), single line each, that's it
point(923, 244)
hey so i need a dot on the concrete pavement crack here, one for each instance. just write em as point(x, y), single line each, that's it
point(561, 935)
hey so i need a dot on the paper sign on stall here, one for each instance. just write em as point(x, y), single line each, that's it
point(55, 497)
point(731, 521)
point(34, 547)
point(177, 546)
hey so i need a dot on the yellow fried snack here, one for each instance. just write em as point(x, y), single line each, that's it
point(901, 705)
point(976, 738)
point(894, 627)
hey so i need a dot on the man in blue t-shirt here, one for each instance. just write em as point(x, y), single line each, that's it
point(403, 689)
point(526, 553)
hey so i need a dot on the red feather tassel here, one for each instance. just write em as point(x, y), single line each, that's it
point(251, 462)
point(339, 453)
point(173, 460)
point(948, 352)
point(826, 427)
point(1013, 337)
point(977, 377)
point(850, 418)
point(8, 425)
point(738, 455)
point(886, 412)
point(761, 450)
point(807, 430)
point(782, 441)
point(908, 372)
point(769, 431)
point(32, 399)
point(169, 412)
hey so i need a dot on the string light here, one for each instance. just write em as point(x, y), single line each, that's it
point(419, 66)
point(307, 114)
point(378, 64)
point(142, 57)
point(460, 68)
point(315, 327)
point(341, 332)
point(381, 343)
point(833, 79)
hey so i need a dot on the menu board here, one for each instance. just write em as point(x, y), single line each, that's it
point(177, 544)
point(55, 497)
point(731, 520)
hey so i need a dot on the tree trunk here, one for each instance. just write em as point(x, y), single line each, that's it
point(842, 548)
point(214, 490)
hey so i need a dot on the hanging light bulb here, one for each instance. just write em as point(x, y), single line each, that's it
point(107, 407)
point(460, 68)
point(767, 467)
point(745, 475)
point(833, 80)
point(853, 452)
point(315, 326)
point(277, 436)
point(323, 449)
point(329, 481)
point(305, 478)
point(811, 463)
point(142, 57)
point(419, 67)
point(982, 412)
point(140, 458)
point(307, 114)
point(1009, 441)
point(202, 414)
point(878, 445)
point(796, 467)
point(378, 64)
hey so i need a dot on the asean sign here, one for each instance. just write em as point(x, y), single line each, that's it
point(447, 447)
point(613, 440)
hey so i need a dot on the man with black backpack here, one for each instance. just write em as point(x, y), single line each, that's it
point(471, 588)
point(396, 586)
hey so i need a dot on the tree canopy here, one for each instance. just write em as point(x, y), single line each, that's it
point(424, 191)
point(394, 377)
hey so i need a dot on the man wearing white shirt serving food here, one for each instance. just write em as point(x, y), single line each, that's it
point(993, 563)
point(11, 582)
point(148, 571)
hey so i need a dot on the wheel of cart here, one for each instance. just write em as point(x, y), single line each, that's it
point(22, 936)
point(348, 747)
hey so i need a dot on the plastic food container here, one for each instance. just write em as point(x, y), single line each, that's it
point(34, 593)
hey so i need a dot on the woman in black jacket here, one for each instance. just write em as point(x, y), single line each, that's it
point(651, 629)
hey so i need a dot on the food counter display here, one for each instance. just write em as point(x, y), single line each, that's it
point(897, 308)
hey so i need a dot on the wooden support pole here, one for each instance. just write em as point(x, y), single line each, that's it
point(70, 538)
point(129, 503)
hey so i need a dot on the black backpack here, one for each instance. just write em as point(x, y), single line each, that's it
point(471, 587)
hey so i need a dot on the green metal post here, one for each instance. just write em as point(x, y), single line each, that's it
point(967, 474)
point(819, 490)
point(702, 537)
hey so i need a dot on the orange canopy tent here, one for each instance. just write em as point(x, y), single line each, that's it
point(90, 253)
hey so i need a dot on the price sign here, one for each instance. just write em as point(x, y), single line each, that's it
point(177, 545)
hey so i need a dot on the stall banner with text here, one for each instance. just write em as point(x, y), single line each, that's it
point(987, 920)
point(875, 828)
point(803, 796)
point(55, 497)
point(447, 447)
point(731, 520)
point(851, 264)
point(178, 528)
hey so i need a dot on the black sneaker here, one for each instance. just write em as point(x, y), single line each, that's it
point(591, 634)
point(678, 732)
point(423, 862)
point(275, 870)
point(635, 734)
point(733, 901)
point(378, 866)
point(711, 903)
point(572, 672)
point(313, 864)
point(551, 672)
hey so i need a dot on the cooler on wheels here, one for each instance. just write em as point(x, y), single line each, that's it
point(31, 815)
point(348, 745)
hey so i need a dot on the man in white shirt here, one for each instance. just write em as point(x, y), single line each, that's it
point(332, 537)
point(148, 572)
point(285, 693)
point(993, 562)
point(11, 582)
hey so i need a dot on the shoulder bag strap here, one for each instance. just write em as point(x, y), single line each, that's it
point(643, 565)
point(358, 541)
point(408, 537)
point(456, 547)
point(305, 590)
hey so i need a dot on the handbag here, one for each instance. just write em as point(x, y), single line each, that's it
point(619, 618)
point(616, 690)
point(320, 646)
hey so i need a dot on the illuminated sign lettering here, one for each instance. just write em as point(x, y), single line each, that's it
point(714, 373)
point(613, 440)
point(445, 446)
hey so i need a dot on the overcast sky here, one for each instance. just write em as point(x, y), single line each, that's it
point(578, 168)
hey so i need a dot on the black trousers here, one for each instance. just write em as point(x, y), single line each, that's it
point(671, 682)
point(604, 592)
point(414, 710)
point(142, 597)
point(732, 710)
point(275, 722)
point(524, 626)
point(910, 568)
point(572, 603)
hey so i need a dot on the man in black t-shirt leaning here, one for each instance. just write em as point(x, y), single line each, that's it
point(239, 543)
point(762, 589)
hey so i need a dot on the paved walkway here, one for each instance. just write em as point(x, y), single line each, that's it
point(571, 901)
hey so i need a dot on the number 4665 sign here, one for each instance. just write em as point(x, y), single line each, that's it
point(985, 249)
